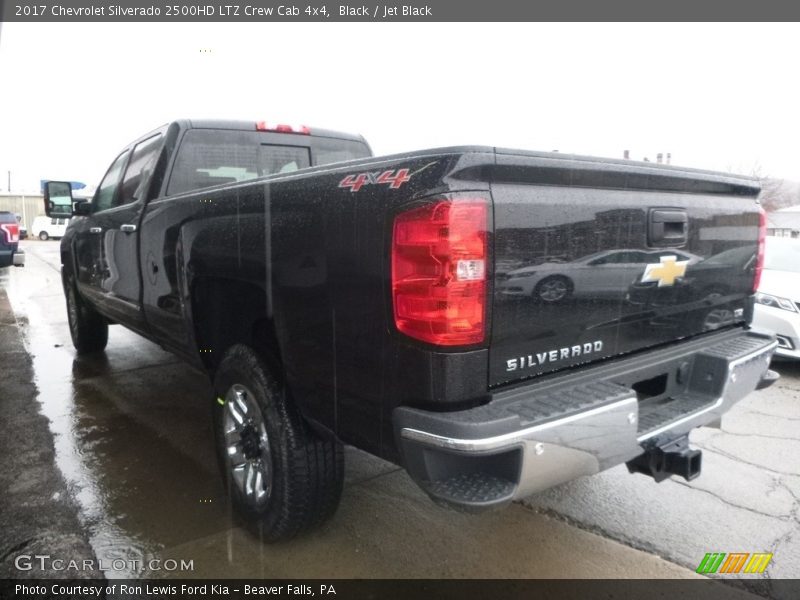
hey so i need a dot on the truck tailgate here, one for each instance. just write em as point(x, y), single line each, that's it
point(597, 258)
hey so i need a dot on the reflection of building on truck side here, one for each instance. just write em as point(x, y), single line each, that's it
point(573, 240)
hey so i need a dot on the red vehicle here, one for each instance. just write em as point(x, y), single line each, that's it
point(10, 253)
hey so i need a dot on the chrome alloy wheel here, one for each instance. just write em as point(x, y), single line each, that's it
point(553, 290)
point(72, 311)
point(718, 318)
point(247, 446)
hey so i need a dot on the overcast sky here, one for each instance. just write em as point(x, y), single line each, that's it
point(718, 96)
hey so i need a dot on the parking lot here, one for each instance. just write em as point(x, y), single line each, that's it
point(132, 438)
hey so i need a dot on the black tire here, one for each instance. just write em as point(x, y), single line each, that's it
point(552, 289)
point(300, 473)
point(87, 328)
point(43, 236)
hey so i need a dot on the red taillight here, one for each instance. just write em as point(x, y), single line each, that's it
point(439, 261)
point(11, 231)
point(762, 234)
point(282, 128)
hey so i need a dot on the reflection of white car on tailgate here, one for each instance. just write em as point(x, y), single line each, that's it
point(45, 227)
point(600, 274)
point(779, 294)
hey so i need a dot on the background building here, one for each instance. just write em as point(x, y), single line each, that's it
point(784, 222)
point(27, 206)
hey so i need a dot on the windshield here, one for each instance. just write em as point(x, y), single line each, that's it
point(782, 255)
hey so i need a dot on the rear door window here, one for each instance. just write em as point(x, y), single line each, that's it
point(143, 161)
point(333, 150)
point(209, 157)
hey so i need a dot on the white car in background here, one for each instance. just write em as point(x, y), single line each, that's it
point(597, 275)
point(45, 227)
point(777, 300)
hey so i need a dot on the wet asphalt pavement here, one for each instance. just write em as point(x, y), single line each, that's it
point(133, 440)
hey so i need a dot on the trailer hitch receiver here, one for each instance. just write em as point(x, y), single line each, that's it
point(674, 458)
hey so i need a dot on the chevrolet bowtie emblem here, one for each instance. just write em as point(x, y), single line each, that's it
point(665, 272)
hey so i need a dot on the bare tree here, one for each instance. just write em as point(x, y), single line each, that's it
point(775, 193)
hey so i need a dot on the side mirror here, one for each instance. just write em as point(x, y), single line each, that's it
point(81, 208)
point(58, 199)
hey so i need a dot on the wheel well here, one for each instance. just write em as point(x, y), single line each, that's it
point(227, 312)
point(566, 279)
point(715, 288)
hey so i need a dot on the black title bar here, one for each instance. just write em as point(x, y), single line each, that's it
point(278, 11)
point(389, 589)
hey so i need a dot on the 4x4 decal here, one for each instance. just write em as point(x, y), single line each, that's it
point(394, 179)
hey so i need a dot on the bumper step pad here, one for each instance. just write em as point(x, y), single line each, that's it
point(713, 368)
point(474, 489)
point(655, 417)
point(520, 410)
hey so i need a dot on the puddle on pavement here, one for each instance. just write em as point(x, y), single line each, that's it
point(126, 436)
point(133, 435)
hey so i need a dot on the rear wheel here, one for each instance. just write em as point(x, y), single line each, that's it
point(87, 328)
point(44, 236)
point(281, 475)
point(553, 289)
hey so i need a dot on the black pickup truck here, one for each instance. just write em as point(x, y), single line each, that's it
point(495, 321)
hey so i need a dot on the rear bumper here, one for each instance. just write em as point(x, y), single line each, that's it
point(10, 258)
point(19, 258)
point(536, 436)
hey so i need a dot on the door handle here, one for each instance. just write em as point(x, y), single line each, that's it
point(127, 228)
point(95, 230)
point(668, 227)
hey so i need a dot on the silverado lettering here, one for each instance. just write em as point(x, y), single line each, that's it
point(440, 324)
point(540, 358)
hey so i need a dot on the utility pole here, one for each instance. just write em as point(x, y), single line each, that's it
point(9, 182)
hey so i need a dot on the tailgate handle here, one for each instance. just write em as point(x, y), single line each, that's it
point(668, 227)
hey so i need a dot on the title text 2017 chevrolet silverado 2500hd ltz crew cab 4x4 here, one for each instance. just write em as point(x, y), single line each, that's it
point(333, 297)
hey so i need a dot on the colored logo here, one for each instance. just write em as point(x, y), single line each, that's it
point(665, 272)
point(394, 179)
point(735, 562)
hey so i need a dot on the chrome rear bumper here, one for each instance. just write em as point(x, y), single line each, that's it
point(538, 436)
